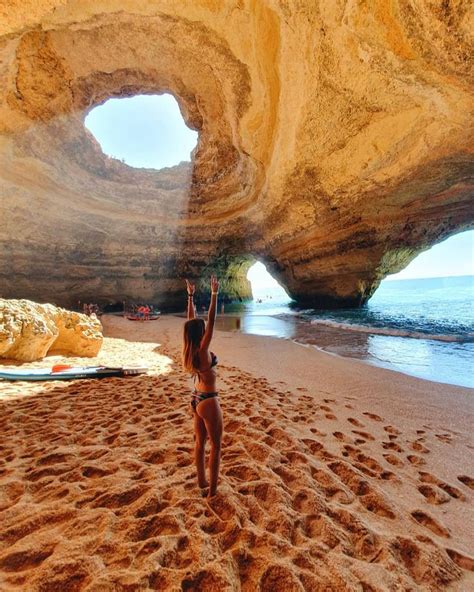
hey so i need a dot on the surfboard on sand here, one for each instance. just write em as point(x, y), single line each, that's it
point(67, 373)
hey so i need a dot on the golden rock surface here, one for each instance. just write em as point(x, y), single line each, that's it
point(335, 144)
point(29, 331)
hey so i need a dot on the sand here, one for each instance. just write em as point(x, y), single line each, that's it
point(335, 475)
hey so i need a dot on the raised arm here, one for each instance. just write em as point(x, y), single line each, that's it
point(191, 310)
point(211, 315)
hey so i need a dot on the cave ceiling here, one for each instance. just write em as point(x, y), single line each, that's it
point(335, 144)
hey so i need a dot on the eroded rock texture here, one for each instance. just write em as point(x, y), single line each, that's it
point(335, 144)
point(29, 331)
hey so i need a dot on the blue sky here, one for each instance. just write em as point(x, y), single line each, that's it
point(454, 256)
point(149, 131)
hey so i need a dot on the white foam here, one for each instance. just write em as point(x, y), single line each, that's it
point(392, 332)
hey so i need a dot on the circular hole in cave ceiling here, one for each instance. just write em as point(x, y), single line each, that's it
point(144, 131)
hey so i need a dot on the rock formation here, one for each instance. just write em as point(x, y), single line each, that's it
point(335, 144)
point(29, 331)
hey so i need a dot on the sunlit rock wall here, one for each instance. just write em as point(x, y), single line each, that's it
point(29, 331)
point(335, 143)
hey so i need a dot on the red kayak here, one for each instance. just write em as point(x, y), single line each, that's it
point(136, 318)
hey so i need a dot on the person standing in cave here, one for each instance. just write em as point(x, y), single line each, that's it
point(200, 363)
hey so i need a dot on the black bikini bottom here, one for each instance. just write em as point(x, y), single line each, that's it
point(197, 397)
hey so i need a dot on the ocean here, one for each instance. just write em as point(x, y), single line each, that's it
point(422, 327)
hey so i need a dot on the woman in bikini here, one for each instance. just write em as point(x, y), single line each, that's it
point(200, 362)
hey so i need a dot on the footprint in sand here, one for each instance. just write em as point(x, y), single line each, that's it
point(464, 561)
point(452, 491)
point(416, 460)
point(242, 472)
point(433, 495)
point(179, 556)
point(364, 435)
point(363, 459)
point(392, 446)
point(355, 422)
point(27, 559)
point(368, 496)
point(341, 437)
point(418, 447)
point(94, 472)
point(317, 432)
point(468, 481)
point(332, 488)
point(373, 416)
point(393, 460)
point(392, 430)
point(317, 449)
point(429, 522)
point(446, 438)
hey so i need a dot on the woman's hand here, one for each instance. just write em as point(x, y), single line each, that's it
point(214, 284)
point(190, 288)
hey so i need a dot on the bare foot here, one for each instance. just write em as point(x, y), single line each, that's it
point(211, 494)
point(203, 485)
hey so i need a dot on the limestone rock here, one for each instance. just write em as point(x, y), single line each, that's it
point(335, 144)
point(29, 331)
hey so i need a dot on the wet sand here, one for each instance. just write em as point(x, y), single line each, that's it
point(335, 475)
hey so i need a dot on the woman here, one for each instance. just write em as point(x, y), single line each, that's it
point(200, 362)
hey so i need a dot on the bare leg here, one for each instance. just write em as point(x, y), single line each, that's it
point(211, 413)
point(199, 449)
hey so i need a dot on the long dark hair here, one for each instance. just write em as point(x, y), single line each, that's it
point(192, 336)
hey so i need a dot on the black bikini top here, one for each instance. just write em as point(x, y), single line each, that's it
point(213, 363)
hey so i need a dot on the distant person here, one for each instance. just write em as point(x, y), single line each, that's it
point(200, 363)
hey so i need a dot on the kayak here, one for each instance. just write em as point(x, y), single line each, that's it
point(153, 318)
point(65, 373)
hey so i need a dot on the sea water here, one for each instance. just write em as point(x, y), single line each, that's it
point(422, 327)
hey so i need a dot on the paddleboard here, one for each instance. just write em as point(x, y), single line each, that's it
point(72, 373)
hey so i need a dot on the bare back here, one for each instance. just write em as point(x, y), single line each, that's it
point(207, 374)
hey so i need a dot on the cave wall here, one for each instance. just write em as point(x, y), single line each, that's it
point(335, 143)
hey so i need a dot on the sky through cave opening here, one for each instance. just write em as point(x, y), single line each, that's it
point(449, 258)
point(144, 131)
point(264, 286)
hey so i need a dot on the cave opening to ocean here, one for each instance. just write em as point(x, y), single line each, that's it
point(143, 131)
point(264, 286)
point(452, 257)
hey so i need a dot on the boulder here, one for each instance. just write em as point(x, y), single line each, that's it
point(29, 331)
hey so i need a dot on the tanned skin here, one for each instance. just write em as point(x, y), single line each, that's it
point(207, 415)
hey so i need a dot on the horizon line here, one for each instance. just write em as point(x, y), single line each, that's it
point(436, 277)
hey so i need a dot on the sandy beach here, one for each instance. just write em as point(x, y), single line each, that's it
point(336, 475)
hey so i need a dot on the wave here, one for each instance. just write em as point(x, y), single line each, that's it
point(393, 332)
